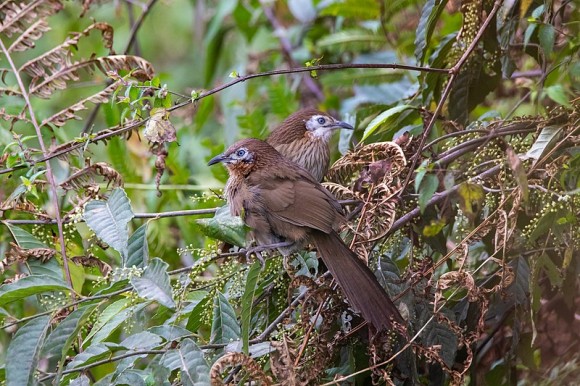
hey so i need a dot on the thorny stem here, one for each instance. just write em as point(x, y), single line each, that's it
point(49, 174)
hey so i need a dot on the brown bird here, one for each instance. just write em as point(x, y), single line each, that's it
point(304, 138)
point(283, 203)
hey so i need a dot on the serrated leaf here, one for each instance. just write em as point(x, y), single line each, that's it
point(428, 187)
point(224, 226)
point(155, 284)
point(385, 118)
point(137, 248)
point(429, 16)
point(23, 352)
point(29, 285)
point(109, 219)
point(248, 301)
point(544, 142)
point(224, 327)
point(190, 359)
point(24, 239)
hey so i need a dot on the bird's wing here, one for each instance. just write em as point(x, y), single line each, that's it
point(301, 202)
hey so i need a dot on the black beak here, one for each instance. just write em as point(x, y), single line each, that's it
point(343, 125)
point(217, 159)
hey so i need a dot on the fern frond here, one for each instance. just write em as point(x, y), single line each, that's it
point(15, 16)
point(60, 118)
point(46, 63)
point(141, 69)
point(33, 33)
point(350, 165)
point(86, 175)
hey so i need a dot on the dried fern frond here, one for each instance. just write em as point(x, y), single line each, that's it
point(26, 40)
point(85, 176)
point(140, 68)
point(51, 61)
point(60, 118)
point(350, 165)
point(15, 16)
point(250, 369)
point(16, 254)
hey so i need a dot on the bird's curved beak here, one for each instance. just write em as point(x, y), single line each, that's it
point(217, 159)
point(343, 125)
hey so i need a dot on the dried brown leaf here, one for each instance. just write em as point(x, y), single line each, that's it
point(15, 16)
point(251, 371)
point(85, 176)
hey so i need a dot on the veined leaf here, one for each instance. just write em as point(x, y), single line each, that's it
point(155, 283)
point(190, 359)
point(429, 16)
point(248, 301)
point(544, 142)
point(29, 285)
point(24, 239)
point(384, 119)
point(224, 226)
point(137, 248)
point(23, 352)
point(109, 219)
point(225, 327)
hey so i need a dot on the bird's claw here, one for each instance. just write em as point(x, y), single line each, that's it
point(258, 252)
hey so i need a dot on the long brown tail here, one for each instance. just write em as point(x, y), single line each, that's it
point(359, 284)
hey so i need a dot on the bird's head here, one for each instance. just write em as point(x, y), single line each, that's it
point(243, 156)
point(322, 125)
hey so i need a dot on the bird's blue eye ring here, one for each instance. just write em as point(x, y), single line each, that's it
point(321, 120)
point(240, 153)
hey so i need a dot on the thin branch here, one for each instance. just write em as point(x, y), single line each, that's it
point(75, 145)
point(49, 174)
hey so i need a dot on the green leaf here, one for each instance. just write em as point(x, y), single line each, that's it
point(29, 285)
point(91, 354)
point(248, 301)
point(224, 226)
point(386, 118)
point(354, 9)
point(23, 352)
point(155, 283)
point(24, 239)
point(429, 17)
point(109, 219)
point(198, 308)
point(61, 338)
point(117, 320)
point(225, 327)
point(471, 197)
point(544, 142)
point(348, 38)
point(143, 340)
point(169, 333)
point(546, 36)
point(191, 361)
point(106, 315)
point(428, 188)
point(558, 94)
point(138, 249)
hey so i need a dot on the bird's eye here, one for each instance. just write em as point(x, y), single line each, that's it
point(241, 153)
point(321, 120)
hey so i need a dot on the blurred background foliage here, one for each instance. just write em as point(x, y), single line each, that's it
point(524, 73)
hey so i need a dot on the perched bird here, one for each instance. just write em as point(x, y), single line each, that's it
point(304, 137)
point(283, 203)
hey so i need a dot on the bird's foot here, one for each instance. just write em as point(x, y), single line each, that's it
point(261, 248)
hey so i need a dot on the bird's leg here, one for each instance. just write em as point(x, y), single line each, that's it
point(261, 248)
